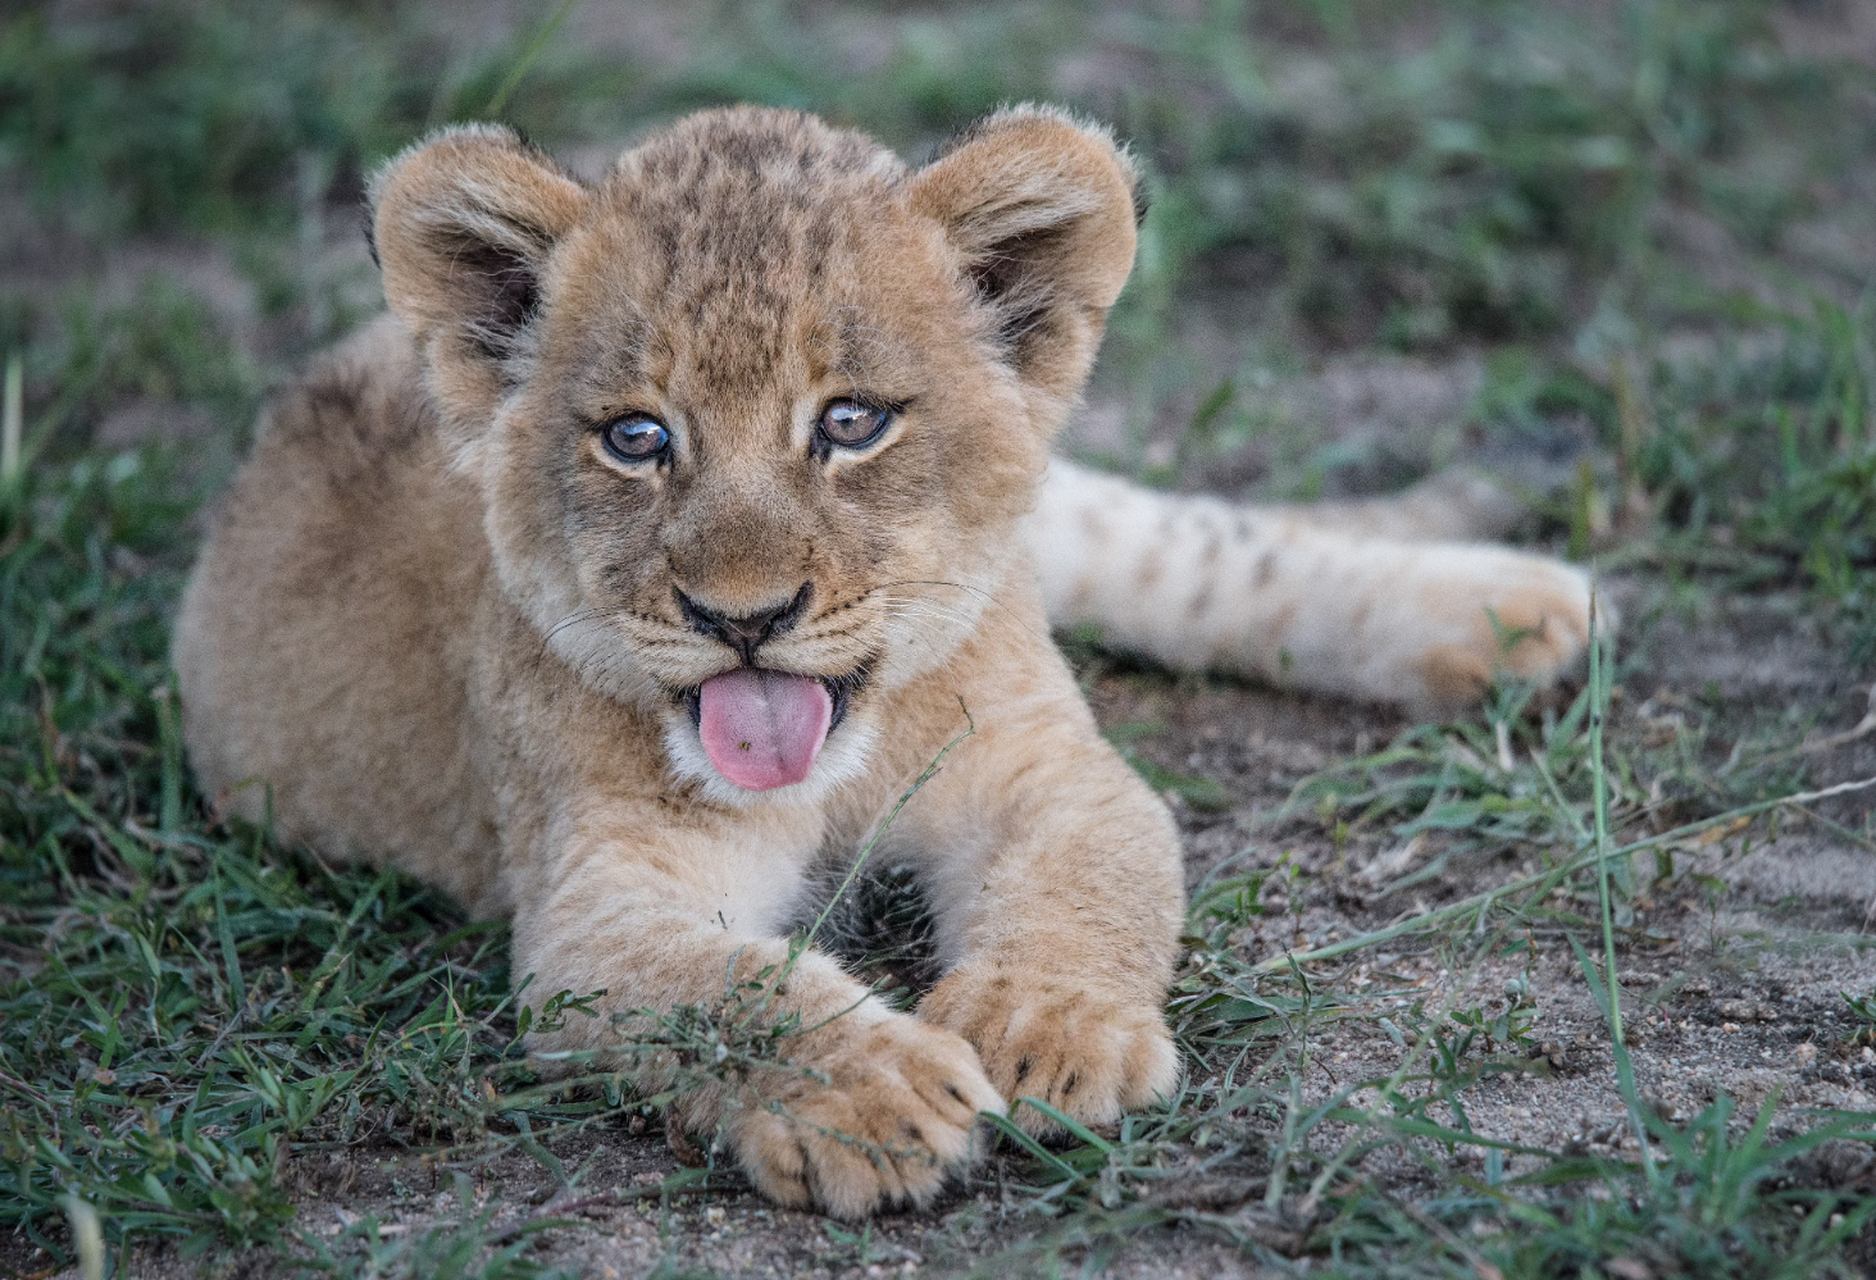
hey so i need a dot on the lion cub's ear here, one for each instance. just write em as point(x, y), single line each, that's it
point(462, 225)
point(1042, 211)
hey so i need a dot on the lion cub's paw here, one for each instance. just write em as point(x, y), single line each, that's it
point(896, 1115)
point(1533, 623)
point(1089, 1053)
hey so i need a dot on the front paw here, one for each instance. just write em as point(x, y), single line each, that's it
point(882, 1112)
point(1089, 1053)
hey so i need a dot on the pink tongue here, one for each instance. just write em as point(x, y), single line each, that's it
point(762, 729)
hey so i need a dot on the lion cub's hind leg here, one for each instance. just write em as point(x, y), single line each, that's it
point(1345, 600)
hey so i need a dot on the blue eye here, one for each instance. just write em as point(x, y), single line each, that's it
point(635, 438)
point(853, 424)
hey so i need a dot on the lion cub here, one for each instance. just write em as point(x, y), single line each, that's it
point(667, 530)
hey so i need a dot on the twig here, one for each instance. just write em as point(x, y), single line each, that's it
point(1599, 792)
point(222, 1038)
point(601, 1200)
point(1811, 746)
point(1806, 797)
point(1862, 728)
point(24, 1088)
point(853, 872)
point(1861, 842)
point(12, 419)
point(526, 61)
point(1550, 879)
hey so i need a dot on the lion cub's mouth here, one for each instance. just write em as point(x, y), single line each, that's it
point(762, 729)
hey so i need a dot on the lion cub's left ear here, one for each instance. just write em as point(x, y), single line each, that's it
point(1042, 211)
point(463, 224)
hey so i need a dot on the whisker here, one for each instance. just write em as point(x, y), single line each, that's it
point(933, 615)
point(989, 597)
point(583, 614)
point(931, 608)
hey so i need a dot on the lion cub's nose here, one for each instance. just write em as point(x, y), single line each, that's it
point(747, 633)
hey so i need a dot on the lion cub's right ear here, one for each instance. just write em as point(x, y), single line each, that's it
point(463, 224)
point(1041, 209)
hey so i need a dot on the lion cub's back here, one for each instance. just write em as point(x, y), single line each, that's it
point(319, 645)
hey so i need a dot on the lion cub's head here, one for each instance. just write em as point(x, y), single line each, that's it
point(754, 415)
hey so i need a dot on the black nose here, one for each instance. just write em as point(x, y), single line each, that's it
point(747, 633)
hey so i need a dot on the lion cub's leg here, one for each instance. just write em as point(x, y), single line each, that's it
point(1335, 602)
point(857, 1106)
point(1056, 880)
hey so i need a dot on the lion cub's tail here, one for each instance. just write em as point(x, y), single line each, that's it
point(1376, 600)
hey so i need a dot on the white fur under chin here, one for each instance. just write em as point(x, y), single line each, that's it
point(843, 759)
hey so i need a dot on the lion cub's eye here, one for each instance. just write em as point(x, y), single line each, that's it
point(851, 424)
point(635, 438)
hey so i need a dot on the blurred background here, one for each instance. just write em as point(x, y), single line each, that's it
point(1620, 252)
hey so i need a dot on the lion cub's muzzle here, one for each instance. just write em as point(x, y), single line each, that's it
point(762, 728)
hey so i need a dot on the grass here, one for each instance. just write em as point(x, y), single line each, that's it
point(192, 1017)
point(188, 1005)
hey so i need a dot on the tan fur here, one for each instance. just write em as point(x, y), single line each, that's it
point(437, 624)
point(1372, 600)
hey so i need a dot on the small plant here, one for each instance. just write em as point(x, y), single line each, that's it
point(1506, 1032)
point(1863, 1008)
